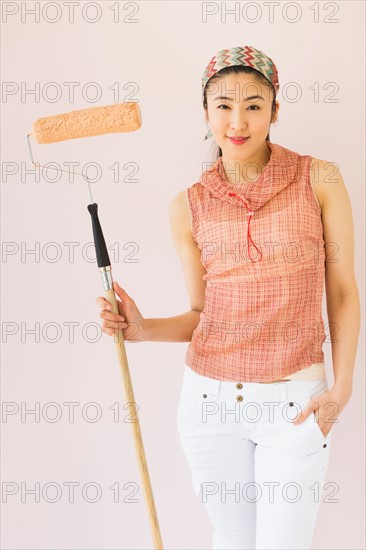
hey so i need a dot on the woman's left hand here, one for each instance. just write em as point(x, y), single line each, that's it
point(327, 406)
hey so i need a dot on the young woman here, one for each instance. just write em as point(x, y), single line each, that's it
point(257, 236)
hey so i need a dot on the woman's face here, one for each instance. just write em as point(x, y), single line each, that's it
point(238, 105)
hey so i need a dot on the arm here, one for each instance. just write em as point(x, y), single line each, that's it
point(343, 305)
point(181, 327)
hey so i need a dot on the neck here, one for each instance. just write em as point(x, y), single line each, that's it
point(246, 170)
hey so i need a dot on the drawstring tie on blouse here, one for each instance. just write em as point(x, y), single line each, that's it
point(249, 238)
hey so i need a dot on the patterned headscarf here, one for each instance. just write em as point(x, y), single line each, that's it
point(246, 55)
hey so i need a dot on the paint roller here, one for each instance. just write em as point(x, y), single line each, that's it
point(109, 119)
point(120, 117)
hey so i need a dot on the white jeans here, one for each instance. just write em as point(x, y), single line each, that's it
point(259, 476)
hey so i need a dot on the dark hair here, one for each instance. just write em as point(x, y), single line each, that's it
point(237, 69)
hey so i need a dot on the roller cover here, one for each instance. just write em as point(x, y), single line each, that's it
point(120, 117)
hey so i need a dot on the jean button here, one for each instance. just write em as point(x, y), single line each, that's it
point(239, 386)
point(204, 395)
point(239, 398)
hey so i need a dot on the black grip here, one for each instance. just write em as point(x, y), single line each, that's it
point(100, 246)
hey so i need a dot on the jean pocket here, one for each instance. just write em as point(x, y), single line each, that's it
point(204, 389)
point(185, 404)
point(313, 438)
point(306, 438)
point(199, 403)
point(315, 421)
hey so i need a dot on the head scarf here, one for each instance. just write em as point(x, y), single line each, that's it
point(246, 55)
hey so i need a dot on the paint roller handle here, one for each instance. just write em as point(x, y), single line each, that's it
point(103, 262)
point(100, 246)
point(135, 425)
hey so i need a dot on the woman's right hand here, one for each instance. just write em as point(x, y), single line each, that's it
point(129, 320)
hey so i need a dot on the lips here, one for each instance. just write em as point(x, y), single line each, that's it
point(238, 140)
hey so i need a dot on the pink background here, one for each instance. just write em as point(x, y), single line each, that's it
point(163, 54)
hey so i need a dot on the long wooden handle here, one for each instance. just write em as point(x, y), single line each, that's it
point(139, 447)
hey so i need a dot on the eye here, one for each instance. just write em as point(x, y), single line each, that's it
point(226, 106)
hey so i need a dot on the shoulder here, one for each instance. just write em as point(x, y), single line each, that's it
point(338, 228)
point(179, 214)
point(178, 207)
point(326, 180)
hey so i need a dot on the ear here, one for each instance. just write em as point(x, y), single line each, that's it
point(275, 115)
point(277, 110)
point(206, 116)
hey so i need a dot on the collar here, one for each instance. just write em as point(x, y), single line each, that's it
point(277, 174)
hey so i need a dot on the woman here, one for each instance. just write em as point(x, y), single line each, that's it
point(257, 236)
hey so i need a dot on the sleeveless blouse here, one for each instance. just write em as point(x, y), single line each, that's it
point(262, 246)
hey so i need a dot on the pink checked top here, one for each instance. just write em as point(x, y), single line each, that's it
point(262, 246)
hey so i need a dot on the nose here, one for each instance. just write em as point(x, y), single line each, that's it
point(238, 121)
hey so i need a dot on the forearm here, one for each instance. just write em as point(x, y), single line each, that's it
point(171, 329)
point(344, 322)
